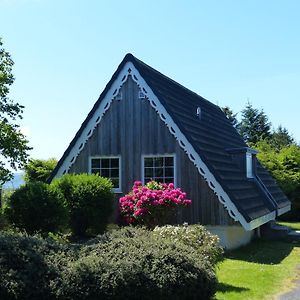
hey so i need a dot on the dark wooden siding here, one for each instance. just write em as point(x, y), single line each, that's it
point(131, 128)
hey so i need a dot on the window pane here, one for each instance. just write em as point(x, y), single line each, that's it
point(169, 172)
point(169, 180)
point(169, 161)
point(95, 163)
point(148, 161)
point(105, 163)
point(148, 172)
point(95, 171)
point(105, 172)
point(158, 161)
point(114, 172)
point(158, 172)
point(114, 163)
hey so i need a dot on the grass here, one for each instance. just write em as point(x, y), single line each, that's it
point(294, 226)
point(260, 270)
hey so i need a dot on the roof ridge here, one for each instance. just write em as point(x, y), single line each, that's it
point(131, 56)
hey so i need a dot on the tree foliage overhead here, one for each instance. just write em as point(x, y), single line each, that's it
point(284, 165)
point(254, 125)
point(39, 169)
point(281, 138)
point(13, 144)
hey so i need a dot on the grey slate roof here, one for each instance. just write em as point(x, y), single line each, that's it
point(210, 137)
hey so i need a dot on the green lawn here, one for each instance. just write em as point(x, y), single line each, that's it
point(258, 271)
point(294, 226)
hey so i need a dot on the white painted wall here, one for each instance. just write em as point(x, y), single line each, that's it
point(231, 237)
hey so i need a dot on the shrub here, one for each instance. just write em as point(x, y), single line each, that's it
point(195, 236)
point(39, 169)
point(151, 205)
point(28, 265)
point(89, 200)
point(135, 264)
point(36, 207)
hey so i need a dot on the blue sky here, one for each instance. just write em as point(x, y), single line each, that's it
point(227, 51)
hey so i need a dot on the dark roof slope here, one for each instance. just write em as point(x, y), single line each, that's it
point(210, 137)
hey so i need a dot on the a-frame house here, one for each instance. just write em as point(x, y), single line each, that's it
point(147, 126)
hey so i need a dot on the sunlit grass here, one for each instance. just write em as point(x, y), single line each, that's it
point(294, 226)
point(258, 271)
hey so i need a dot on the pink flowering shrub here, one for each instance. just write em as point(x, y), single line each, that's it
point(152, 204)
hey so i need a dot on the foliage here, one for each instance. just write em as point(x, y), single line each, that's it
point(284, 165)
point(231, 116)
point(13, 144)
point(195, 236)
point(89, 201)
point(39, 169)
point(28, 265)
point(254, 125)
point(36, 207)
point(131, 263)
point(135, 264)
point(151, 205)
point(281, 138)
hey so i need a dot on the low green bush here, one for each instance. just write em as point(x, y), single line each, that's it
point(89, 201)
point(195, 236)
point(133, 263)
point(36, 207)
point(28, 265)
point(130, 263)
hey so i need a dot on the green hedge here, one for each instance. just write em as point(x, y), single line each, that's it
point(130, 263)
point(89, 201)
point(37, 207)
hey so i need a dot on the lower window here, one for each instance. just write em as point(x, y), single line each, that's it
point(108, 167)
point(159, 168)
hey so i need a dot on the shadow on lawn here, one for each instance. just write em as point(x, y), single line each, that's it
point(224, 287)
point(263, 252)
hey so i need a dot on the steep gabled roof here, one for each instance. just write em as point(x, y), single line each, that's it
point(205, 140)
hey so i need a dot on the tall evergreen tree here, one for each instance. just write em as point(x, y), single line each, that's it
point(281, 138)
point(254, 125)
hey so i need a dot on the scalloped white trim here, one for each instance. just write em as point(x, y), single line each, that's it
point(130, 70)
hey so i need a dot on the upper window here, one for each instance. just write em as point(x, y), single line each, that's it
point(249, 165)
point(108, 167)
point(159, 168)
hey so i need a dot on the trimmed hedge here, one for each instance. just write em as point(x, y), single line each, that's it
point(36, 207)
point(131, 263)
point(89, 201)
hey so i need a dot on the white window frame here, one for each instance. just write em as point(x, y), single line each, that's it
point(158, 155)
point(116, 190)
point(249, 165)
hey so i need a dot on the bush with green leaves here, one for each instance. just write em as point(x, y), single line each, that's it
point(29, 265)
point(128, 263)
point(39, 169)
point(195, 236)
point(89, 199)
point(37, 207)
point(133, 263)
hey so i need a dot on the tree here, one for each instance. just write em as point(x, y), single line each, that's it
point(13, 144)
point(230, 116)
point(39, 169)
point(281, 138)
point(254, 125)
point(284, 165)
